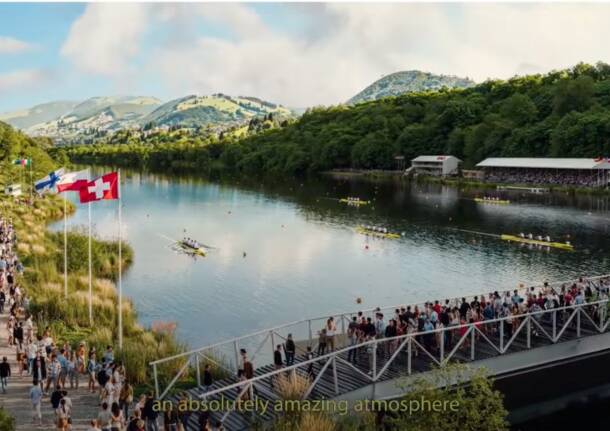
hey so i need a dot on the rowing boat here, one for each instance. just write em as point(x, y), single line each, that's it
point(370, 232)
point(515, 238)
point(354, 201)
point(492, 201)
point(200, 251)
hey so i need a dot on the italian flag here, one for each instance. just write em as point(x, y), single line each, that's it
point(23, 162)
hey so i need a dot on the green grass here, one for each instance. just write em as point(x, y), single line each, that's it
point(68, 319)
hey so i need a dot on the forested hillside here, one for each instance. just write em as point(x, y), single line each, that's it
point(16, 145)
point(399, 83)
point(563, 114)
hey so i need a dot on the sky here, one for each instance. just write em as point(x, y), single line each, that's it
point(296, 54)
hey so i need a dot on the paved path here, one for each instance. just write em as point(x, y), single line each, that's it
point(17, 402)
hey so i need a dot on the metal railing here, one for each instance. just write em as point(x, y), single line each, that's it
point(226, 354)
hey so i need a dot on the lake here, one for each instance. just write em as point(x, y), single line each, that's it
point(304, 258)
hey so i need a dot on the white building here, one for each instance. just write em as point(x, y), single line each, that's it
point(436, 165)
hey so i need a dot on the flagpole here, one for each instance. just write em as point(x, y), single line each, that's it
point(120, 267)
point(65, 248)
point(90, 275)
point(31, 182)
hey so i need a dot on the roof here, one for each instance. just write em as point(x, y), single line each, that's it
point(433, 158)
point(544, 163)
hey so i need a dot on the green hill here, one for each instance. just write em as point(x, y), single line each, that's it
point(410, 81)
point(194, 111)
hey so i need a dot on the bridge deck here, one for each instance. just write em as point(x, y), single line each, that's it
point(569, 324)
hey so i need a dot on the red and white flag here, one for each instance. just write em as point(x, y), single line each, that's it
point(73, 181)
point(101, 188)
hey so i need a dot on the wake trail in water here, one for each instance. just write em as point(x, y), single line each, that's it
point(493, 235)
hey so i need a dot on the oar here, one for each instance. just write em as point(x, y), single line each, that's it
point(493, 235)
point(208, 246)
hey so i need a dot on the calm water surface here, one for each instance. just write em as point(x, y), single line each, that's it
point(304, 258)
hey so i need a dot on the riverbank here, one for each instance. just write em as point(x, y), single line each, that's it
point(41, 253)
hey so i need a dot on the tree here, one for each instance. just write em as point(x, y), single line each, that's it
point(573, 94)
point(477, 405)
point(518, 109)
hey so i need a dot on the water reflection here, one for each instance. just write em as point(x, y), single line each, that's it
point(304, 258)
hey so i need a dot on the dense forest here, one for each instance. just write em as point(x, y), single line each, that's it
point(561, 114)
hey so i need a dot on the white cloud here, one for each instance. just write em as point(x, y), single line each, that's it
point(106, 37)
point(22, 80)
point(342, 49)
point(10, 45)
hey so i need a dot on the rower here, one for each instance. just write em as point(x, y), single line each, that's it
point(530, 236)
point(539, 237)
point(548, 238)
point(522, 235)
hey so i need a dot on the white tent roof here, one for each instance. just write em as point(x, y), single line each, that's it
point(544, 163)
point(433, 158)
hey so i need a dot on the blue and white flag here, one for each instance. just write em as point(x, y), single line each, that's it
point(49, 182)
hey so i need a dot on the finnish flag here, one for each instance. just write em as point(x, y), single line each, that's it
point(49, 182)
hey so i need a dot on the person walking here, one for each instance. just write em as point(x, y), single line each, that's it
point(56, 397)
point(308, 357)
point(18, 335)
point(126, 398)
point(207, 378)
point(170, 418)
point(149, 414)
point(53, 374)
point(72, 373)
point(277, 357)
point(92, 369)
point(31, 350)
point(352, 335)
point(62, 414)
point(5, 373)
point(104, 417)
point(289, 350)
point(63, 363)
point(322, 339)
point(36, 399)
point(331, 330)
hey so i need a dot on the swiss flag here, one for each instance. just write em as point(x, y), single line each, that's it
point(104, 187)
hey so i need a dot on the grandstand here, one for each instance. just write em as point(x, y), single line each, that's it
point(552, 171)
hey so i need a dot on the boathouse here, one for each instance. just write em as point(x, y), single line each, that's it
point(559, 171)
point(436, 165)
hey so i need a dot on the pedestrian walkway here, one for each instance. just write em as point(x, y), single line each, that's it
point(16, 401)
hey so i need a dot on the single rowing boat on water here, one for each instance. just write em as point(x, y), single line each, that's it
point(371, 232)
point(188, 248)
point(352, 201)
point(492, 201)
point(516, 238)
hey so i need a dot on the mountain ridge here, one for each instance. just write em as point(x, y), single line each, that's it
point(98, 116)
